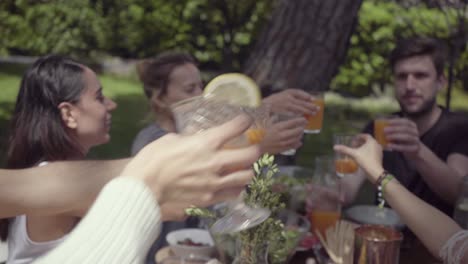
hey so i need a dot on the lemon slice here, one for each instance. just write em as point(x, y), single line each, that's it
point(236, 88)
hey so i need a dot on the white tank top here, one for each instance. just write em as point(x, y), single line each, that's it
point(21, 249)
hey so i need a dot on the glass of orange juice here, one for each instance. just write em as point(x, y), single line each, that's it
point(323, 199)
point(314, 122)
point(203, 112)
point(344, 164)
point(380, 123)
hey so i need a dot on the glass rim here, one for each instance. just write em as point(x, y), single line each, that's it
point(213, 98)
point(395, 234)
point(195, 258)
point(345, 135)
point(188, 100)
point(385, 116)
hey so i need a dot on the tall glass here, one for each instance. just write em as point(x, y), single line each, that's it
point(314, 122)
point(344, 164)
point(199, 113)
point(323, 200)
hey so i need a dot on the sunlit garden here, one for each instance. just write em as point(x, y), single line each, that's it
point(339, 48)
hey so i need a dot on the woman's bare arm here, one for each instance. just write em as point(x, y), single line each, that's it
point(69, 186)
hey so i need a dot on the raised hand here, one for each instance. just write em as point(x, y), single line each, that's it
point(284, 135)
point(195, 170)
point(403, 136)
point(368, 155)
point(291, 101)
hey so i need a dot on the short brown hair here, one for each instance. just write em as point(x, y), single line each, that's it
point(417, 46)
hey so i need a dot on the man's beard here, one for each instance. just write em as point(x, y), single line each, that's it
point(425, 109)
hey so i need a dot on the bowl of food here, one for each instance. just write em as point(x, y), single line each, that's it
point(191, 242)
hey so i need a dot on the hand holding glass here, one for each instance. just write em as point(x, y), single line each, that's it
point(380, 124)
point(199, 113)
point(314, 122)
point(344, 164)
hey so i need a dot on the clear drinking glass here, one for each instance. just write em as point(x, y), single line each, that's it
point(314, 122)
point(280, 117)
point(380, 123)
point(344, 164)
point(323, 199)
point(203, 112)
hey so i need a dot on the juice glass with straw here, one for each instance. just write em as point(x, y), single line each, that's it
point(203, 112)
point(314, 122)
point(323, 201)
point(344, 164)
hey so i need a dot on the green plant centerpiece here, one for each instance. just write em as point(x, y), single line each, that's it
point(271, 236)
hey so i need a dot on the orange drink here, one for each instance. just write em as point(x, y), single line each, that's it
point(323, 198)
point(379, 125)
point(322, 220)
point(314, 122)
point(346, 165)
point(255, 135)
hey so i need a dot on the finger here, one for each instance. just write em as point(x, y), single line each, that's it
point(302, 107)
point(235, 179)
point(173, 212)
point(237, 158)
point(285, 145)
point(401, 122)
point(205, 179)
point(297, 145)
point(292, 123)
point(402, 138)
point(364, 138)
point(226, 194)
point(401, 129)
point(402, 147)
point(227, 131)
point(342, 149)
point(300, 94)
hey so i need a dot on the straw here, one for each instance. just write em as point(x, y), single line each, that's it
point(339, 242)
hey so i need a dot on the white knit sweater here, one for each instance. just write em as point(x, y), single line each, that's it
point(119, 227)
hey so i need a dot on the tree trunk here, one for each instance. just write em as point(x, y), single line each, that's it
point(303, 44)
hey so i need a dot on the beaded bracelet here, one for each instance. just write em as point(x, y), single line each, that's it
point(379, 180)
point(386, 180)
point(382, 181)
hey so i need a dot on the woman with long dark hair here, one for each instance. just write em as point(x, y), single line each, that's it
point(60, 114)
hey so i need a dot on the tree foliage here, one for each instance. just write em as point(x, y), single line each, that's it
point(381, 23)
point(220, 33)
point(216, 31)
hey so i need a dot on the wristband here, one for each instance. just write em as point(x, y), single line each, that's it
point(388, 178)
point(382, 176)
point(383, 180)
